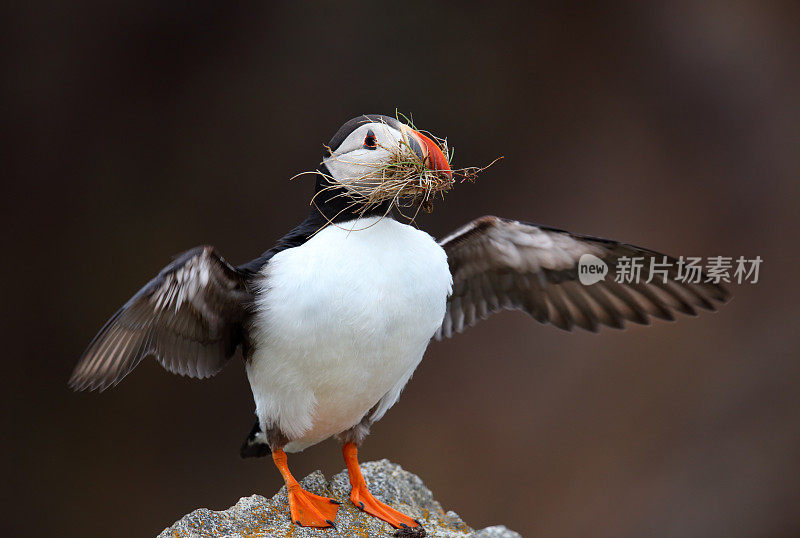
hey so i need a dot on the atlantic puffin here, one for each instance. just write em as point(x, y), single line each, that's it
point(333, 320)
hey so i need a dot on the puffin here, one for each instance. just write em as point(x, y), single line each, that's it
point(333, 320)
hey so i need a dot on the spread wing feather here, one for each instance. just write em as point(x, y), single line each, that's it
point(502, 264)
point(188, 317)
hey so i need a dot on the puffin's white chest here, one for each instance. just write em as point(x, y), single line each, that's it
point(342, 321)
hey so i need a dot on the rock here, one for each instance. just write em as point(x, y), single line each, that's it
point(257, 516)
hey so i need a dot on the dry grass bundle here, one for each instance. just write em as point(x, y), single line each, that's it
point(404, 178)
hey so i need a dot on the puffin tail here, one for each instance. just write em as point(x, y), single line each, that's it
point(255, 446)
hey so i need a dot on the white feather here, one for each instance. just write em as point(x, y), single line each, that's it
point(341, 323)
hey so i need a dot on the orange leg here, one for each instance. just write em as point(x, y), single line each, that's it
point(308, 510)
point(361, 497)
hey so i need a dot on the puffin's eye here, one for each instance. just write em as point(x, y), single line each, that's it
point(369, 141)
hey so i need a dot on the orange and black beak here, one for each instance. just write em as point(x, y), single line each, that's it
point(427, 150)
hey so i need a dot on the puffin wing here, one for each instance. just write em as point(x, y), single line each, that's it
point(500, 264)
point(188, 317)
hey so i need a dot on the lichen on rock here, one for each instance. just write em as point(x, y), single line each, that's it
point(257, 516)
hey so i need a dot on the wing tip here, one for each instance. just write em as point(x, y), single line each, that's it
point(82, 384)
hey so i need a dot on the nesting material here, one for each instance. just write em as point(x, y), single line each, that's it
point(404, 178)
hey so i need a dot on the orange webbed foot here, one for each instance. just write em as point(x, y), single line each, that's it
point(362, 498)
point(311, 510)
point(308, 510)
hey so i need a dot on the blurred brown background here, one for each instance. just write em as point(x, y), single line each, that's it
point(140, 129)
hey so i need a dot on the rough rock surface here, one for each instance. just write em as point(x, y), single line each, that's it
point(257, 516)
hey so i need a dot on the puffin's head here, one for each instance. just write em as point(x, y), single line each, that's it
point(375, 159)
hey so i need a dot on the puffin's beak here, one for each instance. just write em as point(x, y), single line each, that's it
point(427, 150)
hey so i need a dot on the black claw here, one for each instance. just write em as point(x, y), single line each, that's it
point(417, 522)
point(404, 526)
point(362, 504)
point(331, 523)
point(298, 522)
point(411, 532)
point(334, 501)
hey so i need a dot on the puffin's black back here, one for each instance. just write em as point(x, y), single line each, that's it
point(329, 206)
